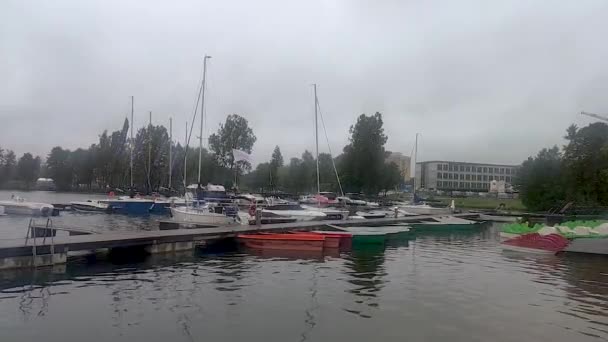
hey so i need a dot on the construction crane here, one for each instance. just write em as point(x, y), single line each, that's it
point(597, 116)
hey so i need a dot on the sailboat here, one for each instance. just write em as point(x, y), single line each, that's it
point(296, 212)
point(215, 213)
point(132, 204)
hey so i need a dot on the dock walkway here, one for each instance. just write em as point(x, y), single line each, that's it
point(48, 251)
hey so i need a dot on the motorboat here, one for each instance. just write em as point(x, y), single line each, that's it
point(129, 205)
point(425, 209)
point(331, 213)
point(371, 214)
point(446, 222)
point(207, 214)
point(247, 200)
point(498, 218)
point(293, 212)
point(19, 206)
point(90, 206)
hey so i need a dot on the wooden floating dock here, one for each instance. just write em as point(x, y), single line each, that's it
point(51, 249)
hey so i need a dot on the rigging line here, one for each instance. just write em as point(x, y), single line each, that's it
point(333, 163)
point(198, 99)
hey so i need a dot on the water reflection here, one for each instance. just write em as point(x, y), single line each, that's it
point(366, 273)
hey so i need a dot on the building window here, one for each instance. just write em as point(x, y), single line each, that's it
point(461, 168)
point(485, 170)
point(468, 169)
point(438, 175)
point(449, 176)
point(461, 176)
point(502, 178)
point(478, 177)
point(485, 178)
point(502, 170)
point(479, 169)
point(451, 167)
point(508, 171)
point(445, 175)
point(508, 179)
point(468, 177)
point(439, 167)
point(495, 170)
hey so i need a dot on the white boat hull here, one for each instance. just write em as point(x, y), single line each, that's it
point(425, 210)
point(203, 216)
point(498, 218)
point(298, 215)
point(27, 208)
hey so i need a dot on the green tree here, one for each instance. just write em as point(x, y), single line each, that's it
point(275, 163)
point(540, 180)
point(235, 133)
point(59, 168)
point(363, 160)
point(83, 162)
point(8, 167)
point(28, 169)
point(391, 177)
point(585, 164)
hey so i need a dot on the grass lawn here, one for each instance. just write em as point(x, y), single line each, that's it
point(484, 203)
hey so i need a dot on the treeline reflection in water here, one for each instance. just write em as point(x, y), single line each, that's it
point(461, 281)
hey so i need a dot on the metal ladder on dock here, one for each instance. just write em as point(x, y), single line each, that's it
point(32, 229)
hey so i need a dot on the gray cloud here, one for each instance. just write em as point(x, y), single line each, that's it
point(482, 81)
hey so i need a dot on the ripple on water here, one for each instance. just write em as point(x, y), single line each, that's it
point(458, 286)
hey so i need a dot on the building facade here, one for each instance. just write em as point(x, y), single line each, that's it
point(462, 176)
point(403, 162)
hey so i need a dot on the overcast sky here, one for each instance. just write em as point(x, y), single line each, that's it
point(490, 81)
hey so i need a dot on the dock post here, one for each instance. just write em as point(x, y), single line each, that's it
point(396, 212)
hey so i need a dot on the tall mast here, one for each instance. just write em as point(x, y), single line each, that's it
point(170, 148)
point(317, 139)
point(415, 162)
point(200, 141)
point(149, 152)
point(131, 161)
point(185, 157)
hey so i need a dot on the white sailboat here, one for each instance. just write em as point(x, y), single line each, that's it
point(295, 212)
point(202, 213)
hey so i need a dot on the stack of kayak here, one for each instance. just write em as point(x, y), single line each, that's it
point(321, 240)
point(551, 239)
point(296, 241)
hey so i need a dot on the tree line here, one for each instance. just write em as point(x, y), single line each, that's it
point(577, 172)
point(105, 165)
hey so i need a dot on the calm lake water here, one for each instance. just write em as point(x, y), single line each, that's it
point(457, 286)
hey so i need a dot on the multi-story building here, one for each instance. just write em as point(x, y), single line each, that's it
point(462, 176)
point(403, 162)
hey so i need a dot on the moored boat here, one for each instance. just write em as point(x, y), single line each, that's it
point(205, 215)
point(445, 222)
point(90, 206)
point(129, 205)
point(19, 206)
point(362, 237)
